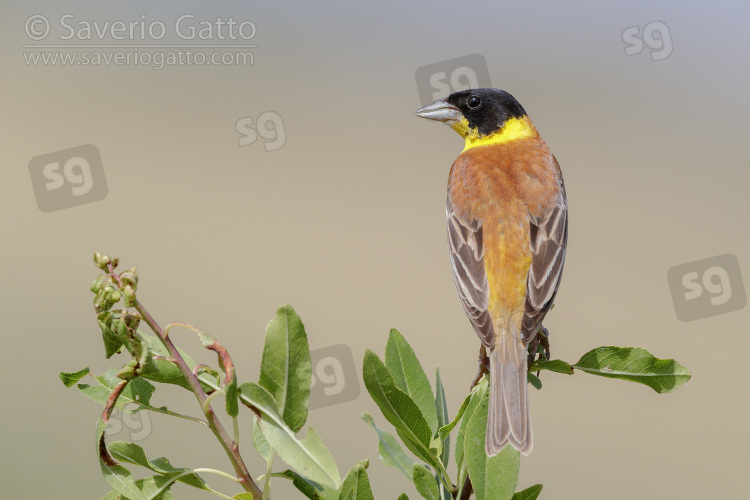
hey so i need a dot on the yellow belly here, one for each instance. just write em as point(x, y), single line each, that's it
point(507, 258)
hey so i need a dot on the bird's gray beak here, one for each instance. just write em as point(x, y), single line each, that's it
point(440, 111)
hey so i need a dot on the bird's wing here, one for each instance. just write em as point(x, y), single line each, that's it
point(548, 237)
point(467, 257)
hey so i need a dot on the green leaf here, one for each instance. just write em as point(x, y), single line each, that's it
point(309, 456)
point(309, 488)
point(231, 397)
point(71, 378)
point(555, 365)
point(129, 452)
point(122, 481)
point(260, 443)
point(425, 482)
point(402, 496)
point(529, 493)
point(118, 477)
point(478, 393)
point(286, 369)
point(534, 380)
point(409, 376)
point(397, 407)
point(635, 365)
point(138, 390)
point(492, 477)
point(112, 342)
point(356, 485)
point(390, 451)
point(164, 372)
point(441, 405)
point(134, 454)
point(168, 373)
point(446, 429)
point(148, 487)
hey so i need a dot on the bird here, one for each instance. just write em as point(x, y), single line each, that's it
point(507, 221)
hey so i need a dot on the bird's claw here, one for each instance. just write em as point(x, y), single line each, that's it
point(484, 366)
point(541, 338)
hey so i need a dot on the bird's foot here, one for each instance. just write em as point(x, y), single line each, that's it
point(484, 366)
point(541, 339)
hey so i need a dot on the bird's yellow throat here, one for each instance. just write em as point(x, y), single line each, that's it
point(512, 130)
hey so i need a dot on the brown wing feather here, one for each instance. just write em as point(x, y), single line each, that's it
point(548, 237)
point(467, 258)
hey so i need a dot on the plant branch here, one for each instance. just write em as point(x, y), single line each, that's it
point(106, 413)
point(230, 447)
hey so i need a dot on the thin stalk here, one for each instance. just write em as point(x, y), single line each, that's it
point(267, 482)
point(445, 476)
point(196, 471)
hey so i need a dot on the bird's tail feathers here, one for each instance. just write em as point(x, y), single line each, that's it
point(508, 421)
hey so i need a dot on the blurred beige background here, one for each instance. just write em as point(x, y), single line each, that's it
point(346, 223)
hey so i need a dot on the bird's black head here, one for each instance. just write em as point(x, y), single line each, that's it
point(486, 110)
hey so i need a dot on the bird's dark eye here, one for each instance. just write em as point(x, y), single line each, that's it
point(473, 102)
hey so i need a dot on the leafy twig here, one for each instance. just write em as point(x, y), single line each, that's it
point(229, 445)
